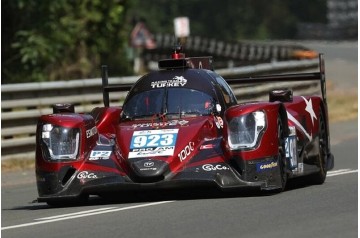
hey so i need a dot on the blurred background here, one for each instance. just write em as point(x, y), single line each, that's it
point(65, 39)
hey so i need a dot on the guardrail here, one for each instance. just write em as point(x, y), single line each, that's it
point(239, 52)
point(22, 104)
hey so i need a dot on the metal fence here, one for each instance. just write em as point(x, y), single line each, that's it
point(238, 52)
point(22, 104)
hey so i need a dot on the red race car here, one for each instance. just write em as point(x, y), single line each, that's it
point(181, 126)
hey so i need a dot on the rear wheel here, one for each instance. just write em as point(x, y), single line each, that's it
point(319, 177)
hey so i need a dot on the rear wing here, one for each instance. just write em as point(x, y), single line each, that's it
point(318, 76)
point(197, 61)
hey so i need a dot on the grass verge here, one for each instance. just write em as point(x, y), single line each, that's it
point(342, 105)
point(12, 165)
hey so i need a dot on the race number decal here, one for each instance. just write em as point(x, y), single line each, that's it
point(153, 143)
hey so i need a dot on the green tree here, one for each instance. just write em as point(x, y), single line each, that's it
point(67, 39)
point(63, 39)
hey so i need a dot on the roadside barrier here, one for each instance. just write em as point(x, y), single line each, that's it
point(22, 104)
point(239, 52)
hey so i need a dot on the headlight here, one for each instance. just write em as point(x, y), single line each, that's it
point(244, 131)
point(61, 143)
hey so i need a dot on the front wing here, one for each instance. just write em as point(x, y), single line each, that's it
point(264, 174)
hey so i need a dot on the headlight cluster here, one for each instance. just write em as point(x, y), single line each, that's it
point(61, 143)
point(244, 131)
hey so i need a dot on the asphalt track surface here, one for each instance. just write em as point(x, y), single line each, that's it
point(303, 210)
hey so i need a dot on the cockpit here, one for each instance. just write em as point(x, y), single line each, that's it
point(173, 102)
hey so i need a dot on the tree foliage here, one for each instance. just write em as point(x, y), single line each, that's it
point(63, 39)
point(67, 39)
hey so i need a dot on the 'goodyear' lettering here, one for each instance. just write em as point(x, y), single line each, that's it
point(266, 165)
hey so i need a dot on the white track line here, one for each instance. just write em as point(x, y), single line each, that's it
point(341, 172)
point(81, 214)
point(75, 213)
point(93, 212)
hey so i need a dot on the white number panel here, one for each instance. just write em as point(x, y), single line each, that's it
point(149, 143)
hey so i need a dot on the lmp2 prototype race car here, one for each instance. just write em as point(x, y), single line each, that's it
point(181, 126)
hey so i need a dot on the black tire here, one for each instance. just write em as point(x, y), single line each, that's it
point(281, 157)
point(321, 160)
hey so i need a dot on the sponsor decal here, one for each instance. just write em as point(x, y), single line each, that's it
point(266, 165)
point(206, 147)
point(156, 151)
point(91, 132)
point(86, 175)
point(219, 122)
point(98, 158)
point(143, 132)
point(147, 169)
point(149, 164)
point(161, 124)
point(177, 81)
point(291, 148)
point(153, 143)
point(184, 153)
point(211, 167)
point(99, 154)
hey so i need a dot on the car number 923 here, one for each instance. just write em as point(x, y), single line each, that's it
point(153, 138)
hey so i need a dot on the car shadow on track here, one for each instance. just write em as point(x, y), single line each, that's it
point(197, 194)
point(130, 197)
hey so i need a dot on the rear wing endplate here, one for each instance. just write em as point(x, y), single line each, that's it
point(106, 88)
point(320, 76)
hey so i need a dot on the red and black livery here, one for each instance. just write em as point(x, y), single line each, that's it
point(182, 126)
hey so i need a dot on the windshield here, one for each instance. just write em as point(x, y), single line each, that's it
point(176, 102)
